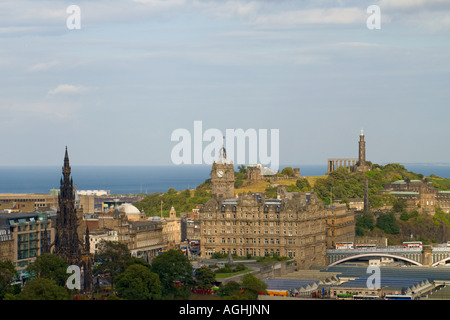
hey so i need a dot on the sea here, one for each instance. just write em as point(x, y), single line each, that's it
point(143, 179)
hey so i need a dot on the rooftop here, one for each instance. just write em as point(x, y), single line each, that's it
point(403, 181)
point(404, 192)
point(7, 219)
point(431, 274)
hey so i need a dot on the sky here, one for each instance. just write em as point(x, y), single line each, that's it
point(114, 90)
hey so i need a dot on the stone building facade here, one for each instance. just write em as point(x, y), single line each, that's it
point(254, 173)
point(42, 202)
point(293, 225)
point(257, 226)
point(23, 237)
point(419, 195)
point(172, 229)
point(145, 237)
point(340, 225)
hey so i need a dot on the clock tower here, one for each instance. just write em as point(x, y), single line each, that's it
point(222, 177)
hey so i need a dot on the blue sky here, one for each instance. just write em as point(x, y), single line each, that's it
point(116, 89)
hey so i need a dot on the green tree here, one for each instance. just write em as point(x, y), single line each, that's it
point(50, 266)
point(40, 289)
point(366, 220)
point(359, 232)
point(303, 185)
point(205, 277)
point(288, 171)
point(271, 192)
point(404, 216)
point(175, 273)
point(323, 187)
point(137, 282)
point(388, 223)
point(375, 200)
point(253, 286)
point(112, 257)
point(238, 183)
point(399, 205)
point(242, 169)
point(182, 201)
point(414, 214)
point(201, 191)
point(187, 193)
point(347, 185)
point(231, 290)
point(7, 273)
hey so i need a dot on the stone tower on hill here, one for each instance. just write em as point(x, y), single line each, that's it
point(362, 165)
point(222, 177)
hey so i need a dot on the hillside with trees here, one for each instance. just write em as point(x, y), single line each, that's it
point(186, 200)
point(156, 204)
point(343, 184)
point(397, 224)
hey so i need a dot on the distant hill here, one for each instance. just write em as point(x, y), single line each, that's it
point(397, 225)
point(157, 204)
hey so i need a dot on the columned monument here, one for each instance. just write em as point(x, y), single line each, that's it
point(359, 164)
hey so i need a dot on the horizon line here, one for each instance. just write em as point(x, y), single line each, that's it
point(207, 165)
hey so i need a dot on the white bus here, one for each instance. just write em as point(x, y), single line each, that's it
point(343, 245)
point(412, 244)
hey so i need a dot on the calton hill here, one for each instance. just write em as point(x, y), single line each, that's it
point(387, 215)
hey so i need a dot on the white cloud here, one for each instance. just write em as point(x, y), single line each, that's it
point(314, 16)
point(67, 89)
point(227, 9)
point(361, 45)
point(44, 66)
point(413, 4)
point(25, 13)
point(16, 113)
point(162, 3)
point(15, 30)
point(29, 17)
point(425, 16)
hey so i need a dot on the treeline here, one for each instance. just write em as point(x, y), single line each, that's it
point(186, 200)
point(169, 276)
point(405, 226)
point(182, 201)
point(301, 185)
point(340, 184)
point(343, 184)
point(397, 225)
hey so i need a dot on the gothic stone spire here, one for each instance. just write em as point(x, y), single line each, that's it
point(67, 244)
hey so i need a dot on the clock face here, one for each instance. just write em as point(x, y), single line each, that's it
point(220, 173)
